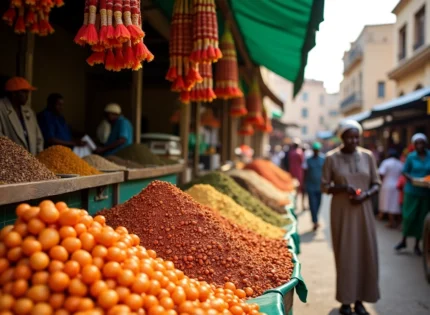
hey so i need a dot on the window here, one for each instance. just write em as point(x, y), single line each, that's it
point(333, 113)
point(321, 120)
point(304, 130)
point(419, 31)
point(381, 89)
point(402, 43)
point(305, 96)
point(304, 112)
point(322, 99)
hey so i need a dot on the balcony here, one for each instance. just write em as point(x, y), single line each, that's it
point(410, 64)
point(353, 57)
point(354, 101)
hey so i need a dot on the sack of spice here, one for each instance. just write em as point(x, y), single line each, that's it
point(102, 164)
point(277, 176)
point(17, 165)
point(62, 160)
point(200, 242)
point(209, 196)
point(226, 185)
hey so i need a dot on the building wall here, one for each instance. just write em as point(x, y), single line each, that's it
point(410, 82)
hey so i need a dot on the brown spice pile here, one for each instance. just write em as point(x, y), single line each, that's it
point(62, 160)
point(126, 163)
point(101, 163)
point(17, 165)
point(200, 242)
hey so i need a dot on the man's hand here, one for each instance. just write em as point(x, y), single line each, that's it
point(359, 198)
point(350, 190)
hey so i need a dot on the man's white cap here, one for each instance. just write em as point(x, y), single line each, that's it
point(113, 108)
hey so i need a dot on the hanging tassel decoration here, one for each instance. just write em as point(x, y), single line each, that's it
point(253, 104)
point(121, 32)
point(246, 129)
point(203, 92)
point(131, 12)
point(89, 35)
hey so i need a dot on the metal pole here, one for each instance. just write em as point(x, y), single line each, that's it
point(136, 96)
point(197, 147)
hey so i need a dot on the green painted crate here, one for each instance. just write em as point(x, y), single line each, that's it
point(292, 235)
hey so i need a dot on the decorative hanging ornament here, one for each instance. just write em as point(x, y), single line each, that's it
point(201, 92)
point(227, 70)
point(253, 104)
point(266, 126)
point(205, 32)
point(208, 119)
point(31, 15)
point(114, 33)
point(246, 129)
point(182, 73)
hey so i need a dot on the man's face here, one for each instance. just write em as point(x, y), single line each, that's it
point(59, 106)
point(316, 152)
point(351, 139)
point(20, 97)
point(112, 117)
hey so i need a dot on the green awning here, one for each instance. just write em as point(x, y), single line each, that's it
point(278, 34)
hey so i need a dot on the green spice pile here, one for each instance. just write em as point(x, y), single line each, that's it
point(102, 164)
point(141, 154)
point(17, 165)
point(226, 185)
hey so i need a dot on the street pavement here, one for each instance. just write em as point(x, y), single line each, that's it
point(404, 290)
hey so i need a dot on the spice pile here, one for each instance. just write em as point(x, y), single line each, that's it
point(226, 185)
point(277, 176)
point(271, 203)
point(209, 196)
point(62, 160)
point(56, 259)
point(200, 242)
point(141, 154)
point(17, 165)
point(126, 163)
point(102, 164)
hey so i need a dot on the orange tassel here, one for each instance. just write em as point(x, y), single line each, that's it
point(128, 56)
point(119, 59)
point(30, 17)
point(172, 74)
point(34, 28)
point(110, 60)
point(90, 35)
point(80, 35)
point(178, 85)
point(97, 57)
point(136, 34)
point(17, 3)
point(121, 33)
point(9, 16)
point(20, 23)
point(137, 65)
point(59, 3)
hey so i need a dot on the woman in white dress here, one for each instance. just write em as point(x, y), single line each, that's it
point(390, 170)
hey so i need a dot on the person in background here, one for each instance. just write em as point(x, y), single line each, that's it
point(390, 170)
point(277, 155)
point(121, 134)
point(351, 176)
point(313, 172)
point(17, 120)
point(295, 163)
point(416, 202)
point(53, 124)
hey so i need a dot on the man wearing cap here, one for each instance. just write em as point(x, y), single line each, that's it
point(313, 173)
point(121, 134)
point(17, 120)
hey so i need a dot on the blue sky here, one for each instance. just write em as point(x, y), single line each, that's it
point(343, 22)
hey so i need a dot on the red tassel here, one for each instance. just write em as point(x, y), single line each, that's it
point(211, 53)
point(194, 76)
point(119, 59)
point(172, 74)
point(34, 28)
point(128, 57)
point(80, 35)
point(9, 16)
point(121, 33)
point(90, 35)
point(178, 84)
point(20, 25)
point(59, 3)
point(136, 33)
point(137, 65)
point(30, 18)
point(97, 57)
point(218, 53)
point(110, 60)
point(103, 40)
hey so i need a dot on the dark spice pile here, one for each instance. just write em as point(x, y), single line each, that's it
point(226, 185)
point(141, 154)
point(271, 203)
point(126, 163)
point(200, 242)
point(17, 165)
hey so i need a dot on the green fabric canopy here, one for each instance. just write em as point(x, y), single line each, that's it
point(278, 34)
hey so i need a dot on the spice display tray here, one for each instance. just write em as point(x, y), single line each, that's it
point(141, 173)
point(35, 190)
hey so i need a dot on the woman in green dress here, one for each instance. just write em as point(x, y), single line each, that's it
point(416, 202)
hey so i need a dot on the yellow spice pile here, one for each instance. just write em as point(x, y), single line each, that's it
point(62, 160)
point(227, 207)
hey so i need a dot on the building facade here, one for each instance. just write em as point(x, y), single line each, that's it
point(366, 65)
point(313, 110)
point(411, 52)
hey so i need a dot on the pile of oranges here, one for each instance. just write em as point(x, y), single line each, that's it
point(56, 260)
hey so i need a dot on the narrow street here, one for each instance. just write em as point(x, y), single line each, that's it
point(404, 289)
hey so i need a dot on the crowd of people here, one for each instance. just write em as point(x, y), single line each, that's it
point(49, 127)
point(354, 177)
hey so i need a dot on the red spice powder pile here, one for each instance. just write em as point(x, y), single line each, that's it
point(200, 242)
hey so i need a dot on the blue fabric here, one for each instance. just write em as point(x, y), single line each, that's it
point(416, 167)
point(314, 173)
point(121, 128)
point(53, 126)
point(314, 203)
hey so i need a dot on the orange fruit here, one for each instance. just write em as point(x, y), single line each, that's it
point(30, 213)
point(38, 293)
point(14, 254)
point(56, 300)
point(21, 228)
point(156, 310)
point(19, 288)
point(6, 302)
point(61, 206)
point(77, 287)
point(98, 262)
point(42, 309)
point(100, 219)
point(31, 246)
point(72, 268)
point(55, 265)
point(12, 239)
point(90, 274)
point(7, 276)
point(98, 287)
point(40, 277)
point(4, 264)
point(134, 301)
point(22, 272)
point(116, 254)
point(39, 261)
point(99, 251)
point(178, 295)
point(126, 278)
point(21, 209)
point(82, 257)
point(49, 238)
point(119, 310)
point(23, 306)
point(167, 303)
point(88, 241)
point(86, 304)
point(69, 217)
point(123, 293)
point(3, 250)
point(67, 231)
point(107, 299)
point(87, 220)
point(71, 303)
point(80, 228)
point(141, 284)
point(58, 281)
point(48, 213)
point(35, 226)
point(150, 301)
point(111, 269)
point(58, 252)
point(71, 244)
point(107, 237)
